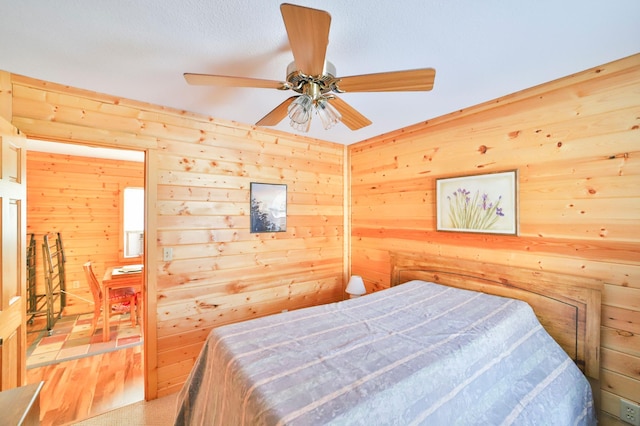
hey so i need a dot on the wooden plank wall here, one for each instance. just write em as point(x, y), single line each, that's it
point(576, 144)
point(80, 198)
point(220, 272)
point(201, 170)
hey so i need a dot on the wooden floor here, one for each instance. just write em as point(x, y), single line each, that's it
point(82, 388)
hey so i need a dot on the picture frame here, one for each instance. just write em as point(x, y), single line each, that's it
point(268, 207)
point(482, 203)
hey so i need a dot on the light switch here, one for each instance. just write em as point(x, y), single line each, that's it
point(167, 254)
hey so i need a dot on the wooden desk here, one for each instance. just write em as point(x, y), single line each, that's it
point(116, 277)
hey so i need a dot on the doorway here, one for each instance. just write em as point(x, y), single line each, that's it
point(76, 192)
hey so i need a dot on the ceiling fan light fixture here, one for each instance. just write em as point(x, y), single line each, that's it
point(300, 109)
point(327, 113)
point(313, 77)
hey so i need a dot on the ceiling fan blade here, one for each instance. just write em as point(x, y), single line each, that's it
point(395, 81)
point(277, 114)
point(308, 31)
point(228, 81)
point(350, 117)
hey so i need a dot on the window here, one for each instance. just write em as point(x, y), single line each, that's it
point(133, 222)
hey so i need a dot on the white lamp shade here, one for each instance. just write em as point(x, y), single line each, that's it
point(356, 286)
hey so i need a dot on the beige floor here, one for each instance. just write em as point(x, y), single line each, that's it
point(159, 412)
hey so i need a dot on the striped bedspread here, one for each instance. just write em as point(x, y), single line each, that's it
point(418, 353)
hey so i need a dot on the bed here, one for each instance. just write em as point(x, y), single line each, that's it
point(450, 342)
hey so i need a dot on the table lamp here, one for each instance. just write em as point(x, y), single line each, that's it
point(355, 288)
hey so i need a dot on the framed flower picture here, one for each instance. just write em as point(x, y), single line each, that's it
point(485, 203)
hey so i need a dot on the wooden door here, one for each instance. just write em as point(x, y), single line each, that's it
point(13, 198)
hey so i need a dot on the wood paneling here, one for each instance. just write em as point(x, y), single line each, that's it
point(80, 198)
point(576, 144)
point(6, 102)
point(221, 272)
point(200, 170)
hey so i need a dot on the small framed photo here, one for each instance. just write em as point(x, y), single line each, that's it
point(268, 207)
point(486, 203)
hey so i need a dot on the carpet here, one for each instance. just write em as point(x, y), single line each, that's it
point(70, 339)
point(158, 412)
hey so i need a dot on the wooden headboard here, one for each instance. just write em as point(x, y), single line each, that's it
point(567, 306)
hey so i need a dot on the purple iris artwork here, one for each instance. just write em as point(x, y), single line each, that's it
point(485, 203)
point(477, 212)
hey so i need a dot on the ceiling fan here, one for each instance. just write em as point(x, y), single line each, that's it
point(315, 79)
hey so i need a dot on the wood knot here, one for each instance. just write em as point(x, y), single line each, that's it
point(207, 305)
point(482, 149)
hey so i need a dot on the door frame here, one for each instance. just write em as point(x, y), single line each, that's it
point(149, 272)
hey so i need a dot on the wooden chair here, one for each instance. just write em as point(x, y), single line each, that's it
point(121, 300)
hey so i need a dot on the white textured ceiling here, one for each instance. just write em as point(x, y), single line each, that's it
point(481, 50)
